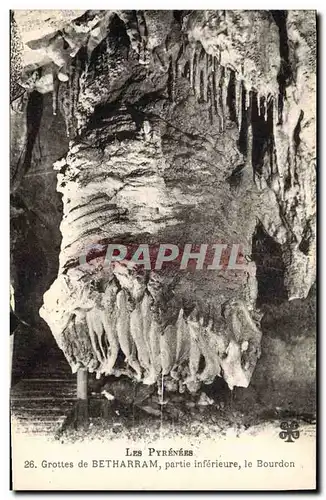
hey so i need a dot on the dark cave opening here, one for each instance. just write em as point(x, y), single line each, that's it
point(33, 120)
point(35, 235)
point(117, 33)
point(178, 16)
point(116, 42)
point(267, 254)
point(262, 133)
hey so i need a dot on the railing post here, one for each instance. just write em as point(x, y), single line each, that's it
point(82, 397)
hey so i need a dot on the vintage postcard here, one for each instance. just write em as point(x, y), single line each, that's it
point(163, 249)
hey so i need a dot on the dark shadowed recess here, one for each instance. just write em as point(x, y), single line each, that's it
point(267, 254)
point(35, 236)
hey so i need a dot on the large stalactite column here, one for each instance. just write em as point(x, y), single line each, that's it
point(160, 113)
point(123, 180)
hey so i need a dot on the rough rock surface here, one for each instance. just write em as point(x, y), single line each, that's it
point(183, 126)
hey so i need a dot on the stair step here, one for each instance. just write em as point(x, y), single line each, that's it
point(41, 403)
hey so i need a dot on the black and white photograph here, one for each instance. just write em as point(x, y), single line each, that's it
point(163, 249)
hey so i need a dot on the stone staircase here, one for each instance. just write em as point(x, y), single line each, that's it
point(41, 402)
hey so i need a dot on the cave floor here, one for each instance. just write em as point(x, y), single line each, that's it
point(43, 397)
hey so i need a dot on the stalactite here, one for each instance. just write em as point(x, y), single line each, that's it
point(109, 323)
point(186, 350)
point(73, 85)
point(99, 330)
point(280, 108)
point(247, 88)
point(211, 98)
point(277, 162)
point(167, 342)
point(73, 90)
point(225, 89)
point(155, 333)
point(238, 97)
point(191, 65)
point(208, 348)
point(197, 73)
point(258, 102)
point(204, 64)
point(146, 315)
point(136, 330)
point(265, 108)
point(275, 110)
point(182, 348)
point(249, 132)
point(217, 93)
point(210, 89)
point(194, 357)
point(123, 330)
point(70, 110)
point(92, 329)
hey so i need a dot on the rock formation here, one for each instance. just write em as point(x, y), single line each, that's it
point(183, 127)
